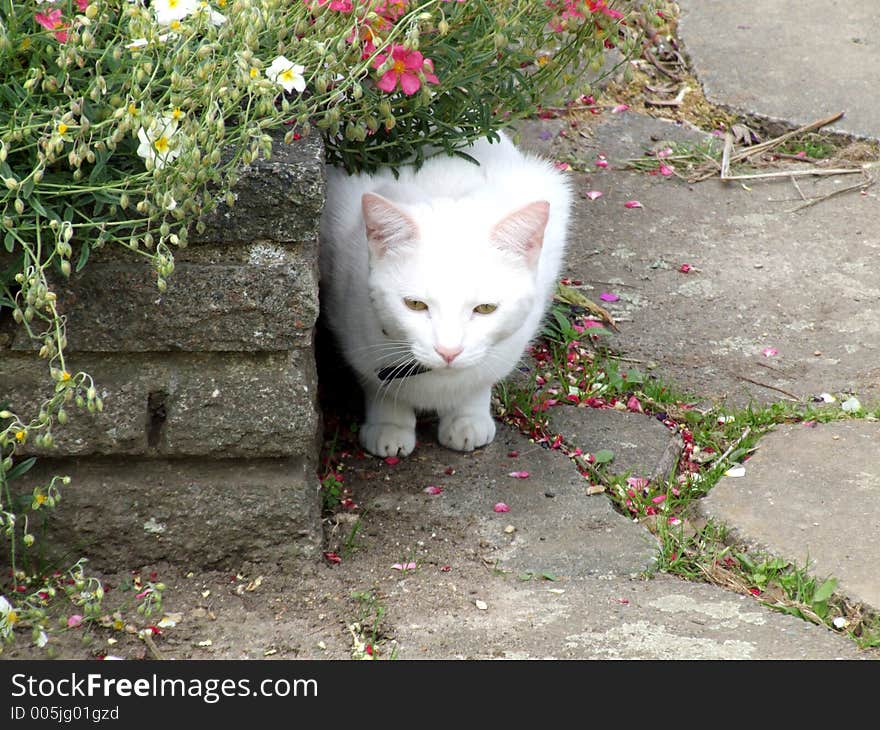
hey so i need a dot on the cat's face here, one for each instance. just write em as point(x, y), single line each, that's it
point(448, 288)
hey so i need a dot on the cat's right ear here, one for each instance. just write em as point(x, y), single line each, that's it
point(387, 225)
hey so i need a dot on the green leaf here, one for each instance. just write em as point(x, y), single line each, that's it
point(603, 456)
point(548, 576)
point(84, 252)
point(21, 468)
point(825, 591)
point(9, 241)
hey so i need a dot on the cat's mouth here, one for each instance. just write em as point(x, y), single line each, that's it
point(402, 370)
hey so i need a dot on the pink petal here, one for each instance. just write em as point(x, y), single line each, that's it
point(414, 61)
point(388, 82)
point(601, 162)
point(632, 204)
point(637, 482)
point(659, 498)
point(673, 521)
point(445, 568)
point(593, 194)
point(665, 170)
point(769, 351)
point(564, 166)
point(684, 268)
point(404, 566)
point(332, 558)
point(501, 507)
point(74, 621)
point(513, 454)
point(432, 490)
point(410, 83)
point(391, 460)
point(620, 108)
point(519, 474)
point(588, 323)
point(633, 405)
point(607, 296)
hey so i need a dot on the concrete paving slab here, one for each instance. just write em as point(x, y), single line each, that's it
point(553, 526)
point(592, 618)
point(637, 441)
point(803, 283)
point(791, 62)
point(811, 494)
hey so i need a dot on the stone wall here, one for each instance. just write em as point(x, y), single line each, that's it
point(206, 450)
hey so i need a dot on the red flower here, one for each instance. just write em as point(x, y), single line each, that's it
point(408, 70)
point(52, 21)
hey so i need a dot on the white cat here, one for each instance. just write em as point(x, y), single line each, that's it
point(435, 282)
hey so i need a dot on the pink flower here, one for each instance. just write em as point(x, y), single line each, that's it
point(601, 161)
point(601, 7)
point(82, 5)
point(408, 70)
point(637, 482)
point(404, 566)
point(659, 498)
point(501, 507)
point(633, 405)
point(52, 21)
point(74, 620)
point(665, 169)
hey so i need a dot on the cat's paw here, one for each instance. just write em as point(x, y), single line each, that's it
point(466, 433)
point(387, 439)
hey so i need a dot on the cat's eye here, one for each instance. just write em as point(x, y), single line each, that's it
point(416, 305)
point(485, 308)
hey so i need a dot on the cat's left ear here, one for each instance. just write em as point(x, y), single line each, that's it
point(387, 225)
point(523, 231)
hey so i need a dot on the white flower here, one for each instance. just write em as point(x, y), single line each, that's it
point(42, 639)
point(170, 10)
point(216, 18)
point(156, 142)
point(7, 618)
point(286, 74)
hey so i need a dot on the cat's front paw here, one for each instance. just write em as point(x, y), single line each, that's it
point(387, 439)
point(466, 433)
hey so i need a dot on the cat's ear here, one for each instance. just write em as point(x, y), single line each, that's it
point(387, 225)
point(523, 231)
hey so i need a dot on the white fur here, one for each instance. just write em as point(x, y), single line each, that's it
point(453, 235)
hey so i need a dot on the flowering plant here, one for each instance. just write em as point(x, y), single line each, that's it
point(123, 121)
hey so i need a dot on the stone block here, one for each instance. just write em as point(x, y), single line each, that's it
point(224, 405)
point(269, 303)
point(193, 513)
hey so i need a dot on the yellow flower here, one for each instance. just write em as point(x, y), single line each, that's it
point(20, 436)
point(65, 376)
point(41, 499)
point(254, 72)
point(62, 128)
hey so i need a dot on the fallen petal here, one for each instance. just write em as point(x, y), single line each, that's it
point(769, 351)
point(601, 162)
point(684, 268)
point(665, 170)
point(519, 474)
point(404, 566)
point(607, 296)
point(619, 108)
point(482, 605)
point(851, 405)
point(391, 460)
point(74, 621)
point(735, 471)
point(593, 194)
point(332, 558)
point(501, 507)
point(432, 490)
point(632, 204)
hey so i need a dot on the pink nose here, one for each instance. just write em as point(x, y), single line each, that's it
point(448, 353)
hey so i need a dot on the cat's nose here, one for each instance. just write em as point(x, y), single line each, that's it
point(448, 353)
